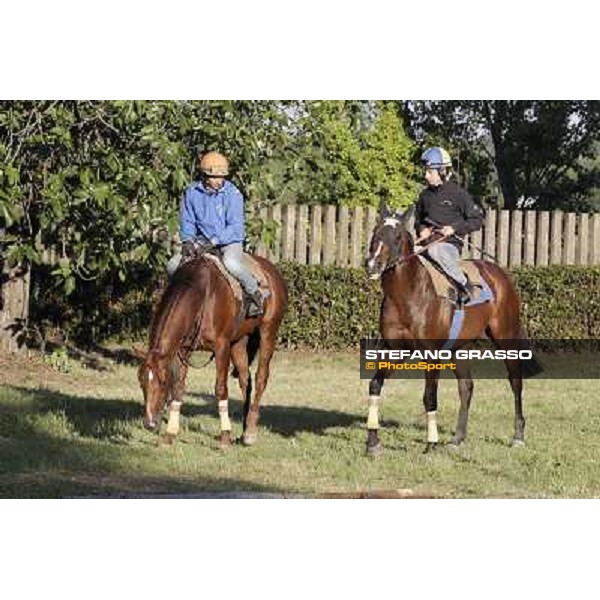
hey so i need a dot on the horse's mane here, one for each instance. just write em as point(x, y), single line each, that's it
point(181, 283)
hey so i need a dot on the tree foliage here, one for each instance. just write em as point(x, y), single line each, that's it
point(102, 181)
point(354, 153)
point(532, 148)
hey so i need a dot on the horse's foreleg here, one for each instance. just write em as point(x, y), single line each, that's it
point(239, 356)
point(222, 359)
point(375, 387)
point(465, 391)
point(178, 375)
point(430, 402)
point(267, 347)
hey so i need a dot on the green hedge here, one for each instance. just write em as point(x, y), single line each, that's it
point(329, 307)
point(560, 302)
point(333, 308)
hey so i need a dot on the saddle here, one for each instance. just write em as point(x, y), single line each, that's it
point(445, 286)
point(238, 291)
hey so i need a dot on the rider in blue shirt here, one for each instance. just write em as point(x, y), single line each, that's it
point(212, 214)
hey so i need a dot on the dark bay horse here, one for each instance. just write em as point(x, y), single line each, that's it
point(412, 311)
point(198, 311)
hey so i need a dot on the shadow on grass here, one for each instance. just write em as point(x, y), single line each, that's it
point(87, 416)
point(105, 419)
point(53, 445)
point(287, 421)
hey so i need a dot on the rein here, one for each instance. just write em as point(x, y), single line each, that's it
point(401, 259)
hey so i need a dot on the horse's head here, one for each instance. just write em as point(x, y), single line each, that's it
point(390, 240)
point(155, 381)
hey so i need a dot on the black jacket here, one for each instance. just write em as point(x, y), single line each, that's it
point(448, 204)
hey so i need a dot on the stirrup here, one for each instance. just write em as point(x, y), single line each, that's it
point(255, 304)
point(464, 294)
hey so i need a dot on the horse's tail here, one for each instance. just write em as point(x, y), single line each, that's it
point(252, 349)
point(532, 367)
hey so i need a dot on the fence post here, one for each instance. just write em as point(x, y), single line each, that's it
point(556, 237)
point(570, 239)
point(503, 238)
point(329, 241)
point(542, 239)
point(275, 251)
point(516, 239)
point(301, 225)
point(490, 233)
point(583, 230)
point(356, 256)
point(595, 239)
point(370, 220)
point(288, 230)
point(530, 237)
point(341, 254)
point(477, 244)
point(315, 235)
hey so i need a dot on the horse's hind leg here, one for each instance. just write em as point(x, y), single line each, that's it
point(375, 387)
point(516, 383)
point(267, 347)
point(239, 356)
point(430, 402)
point(465, 391)
point(222, 359)
point(515, 377)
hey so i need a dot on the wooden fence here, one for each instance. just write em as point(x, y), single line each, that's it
point(338, 235)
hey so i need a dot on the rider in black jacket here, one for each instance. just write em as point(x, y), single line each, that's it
point(449, 209)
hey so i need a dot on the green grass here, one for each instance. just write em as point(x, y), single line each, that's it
point(80, 433)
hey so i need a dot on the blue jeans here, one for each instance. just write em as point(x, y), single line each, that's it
point(232, 259)
point(447, 256)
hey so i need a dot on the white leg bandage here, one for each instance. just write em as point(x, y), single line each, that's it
point(432, 431)
point(224, 415)
point(373, 418)
point(174, 412)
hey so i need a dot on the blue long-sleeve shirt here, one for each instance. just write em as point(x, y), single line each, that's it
point(217, 216)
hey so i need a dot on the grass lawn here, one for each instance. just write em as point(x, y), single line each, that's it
point(80, 434)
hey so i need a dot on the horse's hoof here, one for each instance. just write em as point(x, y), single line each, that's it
point(517, 443)
point(166, 440)
point(225, 441)
point(453, 446)
point(374, 451)
point(430, 447)
point(249, 439)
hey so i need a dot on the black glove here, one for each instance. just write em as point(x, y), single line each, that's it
point(188, 249)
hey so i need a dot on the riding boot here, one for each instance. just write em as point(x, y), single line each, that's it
point(255, 307)
point(465, 292)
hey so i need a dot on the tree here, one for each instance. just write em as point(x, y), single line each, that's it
point(101, 182)
point(352, 153)
point(535, 147)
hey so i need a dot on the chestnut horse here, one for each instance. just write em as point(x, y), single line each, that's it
point(412, 311)
point(198, 311)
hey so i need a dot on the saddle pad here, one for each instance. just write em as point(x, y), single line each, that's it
point(235, 285)
point(442, 284)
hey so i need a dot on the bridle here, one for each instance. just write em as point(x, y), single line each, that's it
point(395, 258)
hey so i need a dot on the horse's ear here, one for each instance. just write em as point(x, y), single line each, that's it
point(405, 215)
point(139, 353)
point(384, 211)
